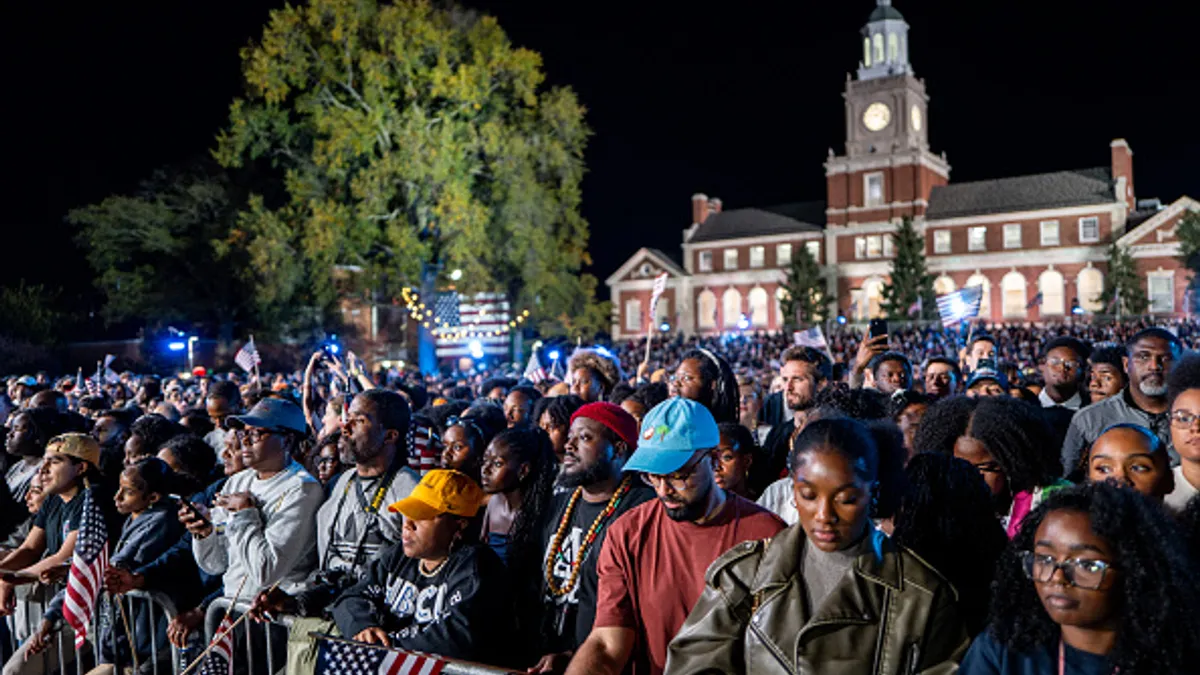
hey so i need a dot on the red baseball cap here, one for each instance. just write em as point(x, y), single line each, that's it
point(614, 417)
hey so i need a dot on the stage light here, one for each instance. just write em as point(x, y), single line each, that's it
point(603, 351)
point(456, 275)
point(554, 355)
point(177, 346)
point(476, 349)
point(841, 319)
point(665, 327)
point(743, 323)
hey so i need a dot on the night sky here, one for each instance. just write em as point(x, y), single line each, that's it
point(740, 103)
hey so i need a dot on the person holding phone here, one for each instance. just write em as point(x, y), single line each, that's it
point(874, 343)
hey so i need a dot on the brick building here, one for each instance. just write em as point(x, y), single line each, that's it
point(1017, 237)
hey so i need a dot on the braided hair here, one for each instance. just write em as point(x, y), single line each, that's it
point(718, 383)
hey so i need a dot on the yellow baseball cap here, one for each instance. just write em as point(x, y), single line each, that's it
point(80, 446)
point(441, 491)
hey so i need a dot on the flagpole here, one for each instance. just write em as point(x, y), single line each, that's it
point(257, 375)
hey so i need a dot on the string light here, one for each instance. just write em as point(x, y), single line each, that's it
point(426, 317)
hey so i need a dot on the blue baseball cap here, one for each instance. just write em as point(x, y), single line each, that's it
point(982, 374)
point(671, 434)
point(272, 413)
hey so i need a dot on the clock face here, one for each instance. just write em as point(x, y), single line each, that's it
point(877, 116)
point(915, 115)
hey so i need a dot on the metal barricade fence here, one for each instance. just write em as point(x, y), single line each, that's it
point(273, 634)
point(90, 654)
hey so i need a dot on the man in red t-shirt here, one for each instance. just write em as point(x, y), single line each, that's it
point(653, 561)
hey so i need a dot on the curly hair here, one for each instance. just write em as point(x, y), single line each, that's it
point(838, 399)
point(892, 481)
point(1158, 589)
point(606, 368)
point(1015, 432)
point(559, 408)
point(817, 358)
point(650, 394)
point(946, 517)
point(719, 384)
point(906, 365)
point(943, 423)
point(899, 401)
point(154, 430)
point(1183, 376)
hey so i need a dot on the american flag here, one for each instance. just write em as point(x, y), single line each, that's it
point(93, 387)
point(813, 337)
point(534, 371)
point(660, 285)
point(1037, 300)
point(220, 658)
point(960, 305)
point(917, 307)
point(422, 451)
point(247, 357)
point(458, 316)
point(86, 577)
point(338, 657)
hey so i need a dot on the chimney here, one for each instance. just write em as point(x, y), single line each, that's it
point(1122, 172)
point(699, 208)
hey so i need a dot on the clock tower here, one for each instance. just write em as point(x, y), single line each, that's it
point(887, 171)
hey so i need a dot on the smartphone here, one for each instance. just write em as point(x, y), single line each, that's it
point(877, 327)
point(190, 507)
point(986, 364)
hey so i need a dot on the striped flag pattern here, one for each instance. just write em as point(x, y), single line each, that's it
point(339, 657)
point(88, 564)
point(1036, 301)
point(220, 658)
point(247, 357)
point(484, 314)
point(959, 305)
point(533, 371)
point(422, 452)
point(660, 285)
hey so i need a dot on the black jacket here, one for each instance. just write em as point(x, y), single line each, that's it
point(464, 611)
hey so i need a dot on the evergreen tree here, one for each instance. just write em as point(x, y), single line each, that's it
point(910, 279)
point(1122, 279)
point(805, 301)
point(1188, 233)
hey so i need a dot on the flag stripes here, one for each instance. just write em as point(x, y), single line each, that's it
point(959, 305)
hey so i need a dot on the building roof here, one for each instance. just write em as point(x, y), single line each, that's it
point(886, 12)
point(1022, 193)
point(791, 218)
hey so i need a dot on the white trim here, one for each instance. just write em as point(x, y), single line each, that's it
point(737, 241)
point(879, 227)
point(740, 278)
point(866, 180)
point(1159, 219)
point(1091, 240)
point(643, 285)
point(1168, 250)
point(841, 164)
point(882, 207)
point(663, 262)
point(1063, 255)
point(1041, 214)
point(1042, 232)
point(878, 267)
point(1160, 274)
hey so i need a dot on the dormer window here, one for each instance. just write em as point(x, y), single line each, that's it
point(878, 42)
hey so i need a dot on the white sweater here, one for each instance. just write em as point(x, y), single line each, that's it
point(274, 542)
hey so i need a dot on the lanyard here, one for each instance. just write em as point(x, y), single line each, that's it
point(370, 508)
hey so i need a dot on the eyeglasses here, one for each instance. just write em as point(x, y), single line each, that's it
point(679, 479)
point(1065, 364)
point(1183, 418)
point(1078, 572)
point(684, 379)
point(988, 467)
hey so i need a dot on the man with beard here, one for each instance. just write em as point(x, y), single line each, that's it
point(652, 564)
point(602, 436)
point(805, 371)
point(351, 531)
point(1149, 357)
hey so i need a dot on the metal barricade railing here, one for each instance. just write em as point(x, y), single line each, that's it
point(217, 610)
point(166, 610)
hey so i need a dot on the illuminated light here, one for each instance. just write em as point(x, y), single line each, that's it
point(427, 324)
point(554, 355)
point(422, 305)
point(525, 313)
point(603, 351)
point(334, 348)
point(743, 323)
point(512, 324)
point(665, 327)
point(1077, 310)
point(957, 307)
point(841, 319)
point(456, 275)
point(177, 346)
point(476, 349)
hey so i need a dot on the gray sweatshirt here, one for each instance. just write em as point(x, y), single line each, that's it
point(274, 542)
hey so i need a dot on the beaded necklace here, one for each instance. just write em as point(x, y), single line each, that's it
point(592, 533)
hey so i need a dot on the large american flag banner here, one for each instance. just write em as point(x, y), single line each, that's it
point(339, 657)
point(457, 316)
point(86, 577)
point(220, 658)
point(960, 305)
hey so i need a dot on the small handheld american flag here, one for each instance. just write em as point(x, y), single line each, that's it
point(960, 305)
point(660, 285)
point(88, 564)
point(247, 357)
point(534, 371)
point(339, 657)
point(220, 657)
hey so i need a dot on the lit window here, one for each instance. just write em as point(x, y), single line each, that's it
point(877, 40)
point(860, 247)
point(867, 52)
point(1162, 291)
point(977, 239)
point(1049, 232)
point(1012, 236)
point(633, 315)
point(730, 259)
point(893, 48)
point(758, 256)
point(705, 261)
point(941, 241)
point(888, 251)
point(814, 250)
point(783, 254)
point(1089, 229)
point(873, 189)
point(874, 246)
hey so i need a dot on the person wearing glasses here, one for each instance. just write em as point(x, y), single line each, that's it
point(652, 564)
point(1183, 391)
point(1149, 357)
point(1063, 359)
point(1098, 582)
point(261, 529)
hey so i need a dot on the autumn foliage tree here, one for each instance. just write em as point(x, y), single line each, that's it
point(407, 134)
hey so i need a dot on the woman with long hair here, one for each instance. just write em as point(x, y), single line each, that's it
point(830, 589)
point(519, 469)
point(707, 379)
point(1096, 582)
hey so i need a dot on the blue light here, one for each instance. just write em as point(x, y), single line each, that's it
point(958, 308)
point(476, 349)
point(603, 351)
point(665, 327)
point(743, 323)
point(177, 346)
point(334, 348)
point(1077, 310)
point(841, 319)
point(554, 355)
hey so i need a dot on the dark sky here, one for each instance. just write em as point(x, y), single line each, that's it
point(739, 103)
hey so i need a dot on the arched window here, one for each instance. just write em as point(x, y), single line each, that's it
point(706, 310)
point(758, 307)
point(781, 295)
point(872, 305)
point(1090, 285)
point(867, 52)
point(1012, 291)
point(943, 285)
point(985, 305)
point(633, 315)
point(1050, 285)
point(877, 40)
point(893, 48)
point(731, 306)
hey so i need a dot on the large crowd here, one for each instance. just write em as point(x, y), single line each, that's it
point(994, 500)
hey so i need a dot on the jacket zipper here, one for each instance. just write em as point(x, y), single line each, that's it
point(914, 658)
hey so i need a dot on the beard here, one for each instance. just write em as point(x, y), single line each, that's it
point(355, 451)
point(799, 405)
point(692, 510)
point(1153, 385)
point(585, 476)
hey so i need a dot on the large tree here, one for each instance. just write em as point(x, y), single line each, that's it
point(409, 134)
point(805, 301)
point(1187, 230)
point(1122, 281)
point(162, 254)
point(910, 279)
